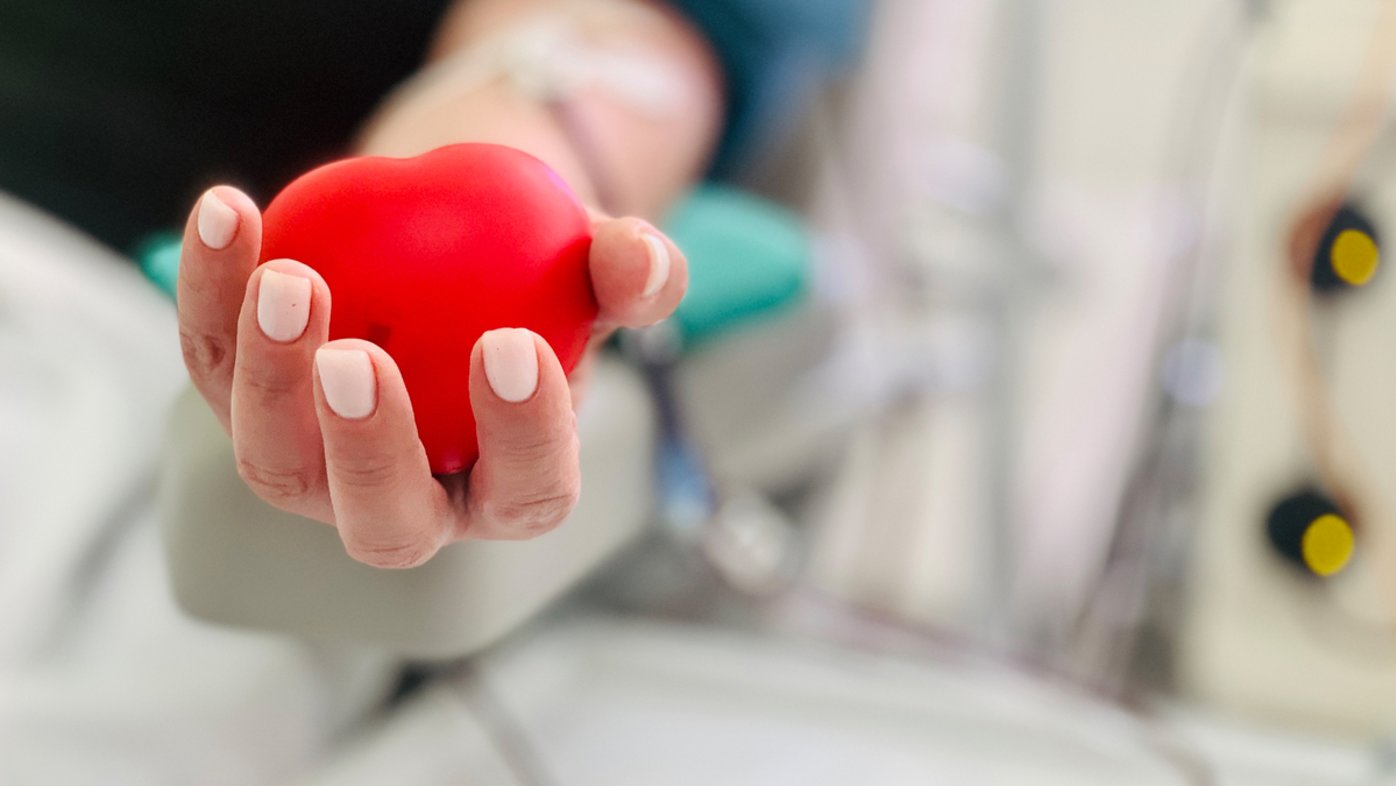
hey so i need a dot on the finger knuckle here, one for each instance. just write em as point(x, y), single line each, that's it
point(390, 554)
point(277, 485)
point(372, 471)
point(204, 354)
point(528, 448)
point(269, 386)
point(535, 515)
point(543, 447)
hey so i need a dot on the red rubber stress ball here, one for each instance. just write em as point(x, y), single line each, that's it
point(423, 255)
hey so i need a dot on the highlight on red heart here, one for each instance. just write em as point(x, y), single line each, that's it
point(423, 255)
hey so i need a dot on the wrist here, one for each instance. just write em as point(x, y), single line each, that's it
point(492, 113)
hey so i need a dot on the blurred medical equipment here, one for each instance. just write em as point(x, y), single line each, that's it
point(1192, 583)
point(1303, 421)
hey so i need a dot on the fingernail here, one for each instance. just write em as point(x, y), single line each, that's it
point(283, 306)
point(347, 379)
point(511, 363)
point(217, 222)
point(659, 265)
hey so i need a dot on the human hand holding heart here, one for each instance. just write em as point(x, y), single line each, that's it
point(424, 255)
point(466, 283)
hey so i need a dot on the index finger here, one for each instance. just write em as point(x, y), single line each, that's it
point(222, 240)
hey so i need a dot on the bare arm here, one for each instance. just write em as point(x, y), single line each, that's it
point(649, 154)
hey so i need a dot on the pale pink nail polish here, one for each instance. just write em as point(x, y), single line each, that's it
point(511, 363)
point(348, 381)
point(283, 306)
point(217, 222)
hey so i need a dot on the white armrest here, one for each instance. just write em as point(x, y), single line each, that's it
point(235, 560)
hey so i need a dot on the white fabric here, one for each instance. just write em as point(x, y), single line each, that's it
point(102, 680)
point(596, 700)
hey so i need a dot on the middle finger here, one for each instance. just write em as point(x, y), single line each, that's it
point(285, 317)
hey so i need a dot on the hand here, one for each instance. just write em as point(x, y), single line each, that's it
point(325, 430)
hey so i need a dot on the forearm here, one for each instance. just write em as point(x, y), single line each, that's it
point(646, 154)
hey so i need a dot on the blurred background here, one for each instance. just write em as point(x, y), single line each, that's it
point(1028, 422)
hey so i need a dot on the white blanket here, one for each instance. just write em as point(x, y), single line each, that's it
point(102, 680)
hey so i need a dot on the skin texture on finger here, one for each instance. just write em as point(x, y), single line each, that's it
point(527, 479)
point(222, 240)
point(276, 436)
point(639, 275)
point(390, 511)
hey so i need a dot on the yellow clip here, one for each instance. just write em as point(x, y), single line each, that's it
point(1355, 257)
point(1328, 544)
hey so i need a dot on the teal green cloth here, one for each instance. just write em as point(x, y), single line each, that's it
point(158, 257)
point(747, 258)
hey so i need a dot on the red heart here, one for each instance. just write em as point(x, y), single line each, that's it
point(422, 255)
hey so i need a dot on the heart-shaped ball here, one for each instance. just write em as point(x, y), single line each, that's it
point(423, 255)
